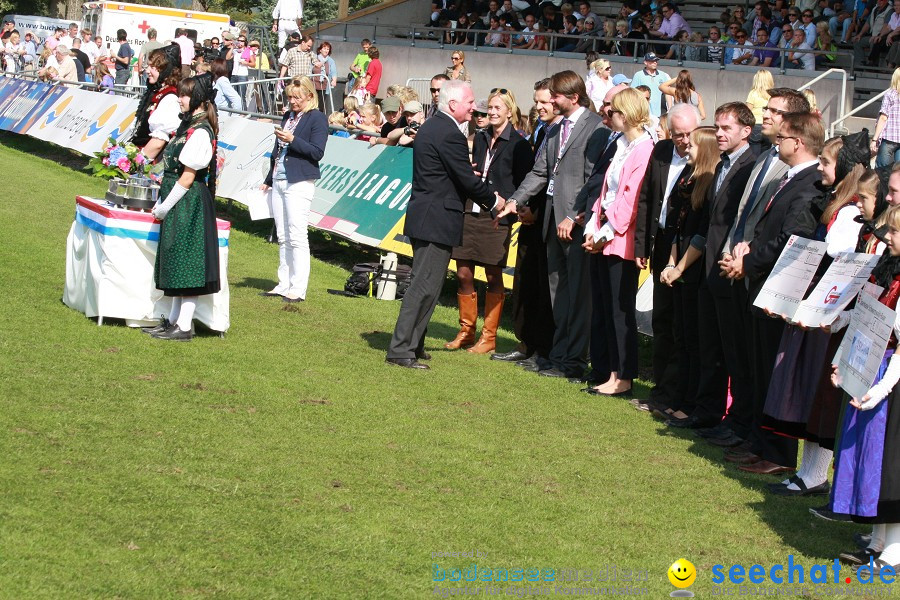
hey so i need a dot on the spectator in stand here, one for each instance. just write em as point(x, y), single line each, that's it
point(621, 34)
point(523, 40)
point(13, 53)
point(763, 20)
point(261, 57)
point(741, 56)
point(885, 38)
point(461, 35)
point(808, 26)
point(52, 41)
point(639, 32)
point(797, 59)
point(825, 43)
point(682, 91)
point(457, 69)
point(123, 58)
point(226, 96)
point(88, 46)
point(570, 28)
point(371, 120)
point(244, 60)
point(874, 21)
point(324, 65)
point(585, 12)
point(793, 18)
point(373, 72)
point(298, 61)
point(672, 23)
point(70, 35)
point(550, 19)
point(767, 55)
point(887, 129)
point(715, 51)
point(29, 59)
point(599, 81)
point(841, 21)
point(652, 78)
point(359, 91)
point(695, 53)
point(495, 32)
point(360, 64)
point(787, 36)
point(739, 16)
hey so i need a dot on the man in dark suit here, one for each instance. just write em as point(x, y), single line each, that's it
point(442, 180)
point(734, 123)
point(531, 309)
point(653, 234)
point(787, 212)
point(562, 170)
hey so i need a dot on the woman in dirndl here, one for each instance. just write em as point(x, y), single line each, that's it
point(187, 259)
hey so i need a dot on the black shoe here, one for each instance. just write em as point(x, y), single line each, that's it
point(270, 294)
point(297, 299)
point(163, 325)
point(553, 372)
point(862, 540)
point(649, 406)
point(823, 512)
point(593, 391)
point(692, 422)
point(531, 361)
point(408, 363)
point(719, 431)
point(726, 442)
point(860, 557)
point(513, 356)
point(174, 334)
point(422, 355)
point(817, 490)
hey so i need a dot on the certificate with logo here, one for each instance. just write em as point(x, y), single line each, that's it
point(842, 281)
point(786, 285)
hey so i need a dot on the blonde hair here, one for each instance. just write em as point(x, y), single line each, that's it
point(394, 89)
point(372, 109)
point(762, 83)
point(705, 164)
point(510, 101)
point(844, 193)
point(302, 87)
point(895, 79)
point(406, 94)
point(599, 65)
point(633, 106)
point(337, 118)
point(811, 98)
point(462, 56)
point(351, 104)
point(891, 217)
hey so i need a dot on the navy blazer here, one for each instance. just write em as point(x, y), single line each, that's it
point(301, 163)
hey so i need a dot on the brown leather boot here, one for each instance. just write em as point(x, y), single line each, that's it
point(493, 308)
point(468, 314)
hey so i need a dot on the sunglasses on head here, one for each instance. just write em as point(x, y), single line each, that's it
point(503, 91)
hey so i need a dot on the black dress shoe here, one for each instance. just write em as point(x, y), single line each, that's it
point(288, 299)
point(531, 361)
point(692, 422)
point(860, 557)
point(512, 356)
point(163, 325)
point(174, 334)
point(554, 372)
point(422, 355)
point(408, 363)
point(862, 540)
point(824, 512)
point(719, 431)
point(726, 442)
point(817, 490)
point(594, 392)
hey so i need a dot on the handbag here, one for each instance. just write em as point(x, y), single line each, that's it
point(321, 83)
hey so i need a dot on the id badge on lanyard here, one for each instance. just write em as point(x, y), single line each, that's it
point(553, 176)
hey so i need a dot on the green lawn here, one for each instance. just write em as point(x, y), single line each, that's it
point(287, 460)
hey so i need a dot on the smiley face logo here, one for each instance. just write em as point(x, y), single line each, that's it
point(682, 573)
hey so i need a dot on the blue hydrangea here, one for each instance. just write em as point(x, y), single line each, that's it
point(117, 153)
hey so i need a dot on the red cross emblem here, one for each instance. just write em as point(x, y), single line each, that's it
point(144, 27)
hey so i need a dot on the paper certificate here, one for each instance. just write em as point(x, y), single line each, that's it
point(842, 281)
point(787, 283)
point(864, 344)
point(259, 203)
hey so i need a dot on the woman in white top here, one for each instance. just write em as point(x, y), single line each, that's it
point(157, 115)
point(13, 53)
point(599, 81)
point(226, 96)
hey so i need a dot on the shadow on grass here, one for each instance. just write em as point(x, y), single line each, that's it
point(788, 517)
point(255, 283)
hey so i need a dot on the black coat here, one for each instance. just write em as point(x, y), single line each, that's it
point(301, 163)
point(650, 201)
point(787, 213)
point(442, 180)
point(512, 161)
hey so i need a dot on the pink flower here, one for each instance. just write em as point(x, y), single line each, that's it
point(106, 162)
point(124, 164)
point(139, 158)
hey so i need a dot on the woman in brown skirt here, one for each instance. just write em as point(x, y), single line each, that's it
point(503, 158)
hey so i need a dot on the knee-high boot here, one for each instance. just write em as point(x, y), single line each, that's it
point(468, 314)
point(493, 309)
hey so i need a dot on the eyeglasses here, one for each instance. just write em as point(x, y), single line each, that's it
point(435, 90)
point(454, 58)
point(787, 30)
point(807, 16)
point(777, 111)
point(242, 40)
point(503, 91)
point(681, 136)
point(779, 137)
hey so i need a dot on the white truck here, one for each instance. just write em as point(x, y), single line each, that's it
point(105, 18)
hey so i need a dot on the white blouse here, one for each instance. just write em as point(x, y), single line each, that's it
point(844, 232)
point(197, 151)
point(164, 119)
point(613, 173)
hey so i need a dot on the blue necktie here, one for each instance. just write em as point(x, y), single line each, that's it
point(751, 199)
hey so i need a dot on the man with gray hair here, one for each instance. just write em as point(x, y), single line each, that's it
point(442, 180)
point(654, 231)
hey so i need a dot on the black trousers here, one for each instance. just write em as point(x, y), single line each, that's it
point(618, 281)
point(766, 340)
point(531, 310)
point(569, 277)
point(665, 362)
point(687, 336)
point(429, 270)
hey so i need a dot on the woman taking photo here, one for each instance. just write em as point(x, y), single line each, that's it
point(458, 69)
point(504, 158)
point(684, 271)
point(610, 232)
point(294, 169)
point(888, 125)
point(187, 257)
point(157, 115)
point(681, 89)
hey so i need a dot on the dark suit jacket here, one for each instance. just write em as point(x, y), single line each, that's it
point(722, 208)
point(512, 161)
point(589, 193)
point(301, 163)
point(442, 180)
point(650, 201)
point(786, 215)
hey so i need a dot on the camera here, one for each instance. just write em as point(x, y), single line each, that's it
point(411, 129)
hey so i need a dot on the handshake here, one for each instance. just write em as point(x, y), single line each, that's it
point(503, 208)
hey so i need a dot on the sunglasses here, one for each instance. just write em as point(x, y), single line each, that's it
point(478, 114)
point(613, 111)
point(454, 58)
point(435, 90)
point(503, 91)
point(807, 16)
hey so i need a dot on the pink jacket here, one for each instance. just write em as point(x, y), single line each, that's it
point(622, 213)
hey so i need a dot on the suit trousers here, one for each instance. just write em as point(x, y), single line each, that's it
point(531, 309)
point(429, 270)
point(569, 278)
point(775, 448)
point(665, 364)
point(687, 350)
point(618, 279)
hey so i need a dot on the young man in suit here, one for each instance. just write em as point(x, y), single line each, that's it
point(734, 123)
point(442, 180)
point(787, 212)
point(738, 428)
point(653, 235)
point(562, 170)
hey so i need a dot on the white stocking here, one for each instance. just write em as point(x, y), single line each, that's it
point(814, 466)
point(176, 309)
point(188, 304)
point(877, 541)
point(891, 553)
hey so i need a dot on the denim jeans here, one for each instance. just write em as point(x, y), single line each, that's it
point(888, 153)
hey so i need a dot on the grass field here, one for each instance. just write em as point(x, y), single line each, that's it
point(287, 460)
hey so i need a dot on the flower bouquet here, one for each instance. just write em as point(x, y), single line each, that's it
point(118, 160)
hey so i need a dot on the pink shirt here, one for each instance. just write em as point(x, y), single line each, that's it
point(187, 49)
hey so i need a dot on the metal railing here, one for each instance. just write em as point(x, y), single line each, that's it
point(856, 110)
point(422, 86)
point(843, 104)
